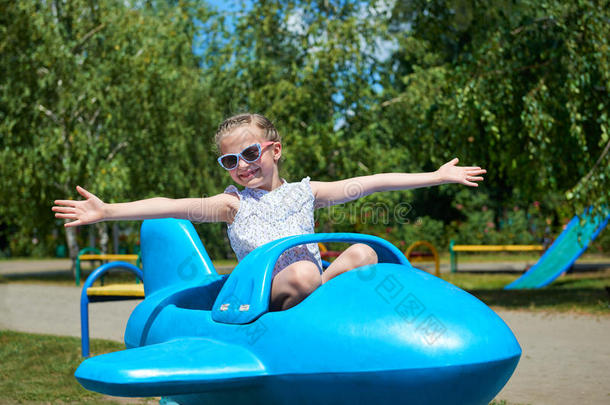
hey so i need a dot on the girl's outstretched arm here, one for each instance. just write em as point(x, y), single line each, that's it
point(338, 192)
point(219, 208)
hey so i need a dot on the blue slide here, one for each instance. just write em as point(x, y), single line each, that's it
point(568, 247)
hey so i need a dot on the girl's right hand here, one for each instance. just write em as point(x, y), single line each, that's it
point(83, 212)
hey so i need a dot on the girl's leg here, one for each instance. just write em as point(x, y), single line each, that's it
point(354, 256)
point(295, 282)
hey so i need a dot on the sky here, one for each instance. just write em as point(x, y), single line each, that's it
point(384, 48)
point(227, 6)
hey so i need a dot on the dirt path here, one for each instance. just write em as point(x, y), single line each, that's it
point(565, 357)
point(55, 310)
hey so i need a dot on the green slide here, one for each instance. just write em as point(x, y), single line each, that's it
point(568, 247)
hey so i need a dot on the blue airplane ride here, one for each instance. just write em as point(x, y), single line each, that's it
point(382, 334)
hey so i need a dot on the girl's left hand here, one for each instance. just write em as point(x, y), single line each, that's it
point(467, 175)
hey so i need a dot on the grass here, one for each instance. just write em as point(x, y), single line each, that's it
point(578, 292)
point(37, 369)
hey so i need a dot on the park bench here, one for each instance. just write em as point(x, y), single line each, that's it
point(94, 254)
point(454, 249)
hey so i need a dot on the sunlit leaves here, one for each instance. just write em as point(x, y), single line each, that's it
point(103, 94)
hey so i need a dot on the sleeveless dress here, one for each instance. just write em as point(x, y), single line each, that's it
point(264, 216)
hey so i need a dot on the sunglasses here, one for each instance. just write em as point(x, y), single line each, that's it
point(250, 154)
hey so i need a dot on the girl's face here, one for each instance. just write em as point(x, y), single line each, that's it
point(262, 173)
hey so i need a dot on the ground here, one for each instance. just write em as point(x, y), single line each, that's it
point(564, 361)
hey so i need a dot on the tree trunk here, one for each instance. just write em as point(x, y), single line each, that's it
point(103, 235)
point(72, 244)
point(115, 237)
point(91, 229)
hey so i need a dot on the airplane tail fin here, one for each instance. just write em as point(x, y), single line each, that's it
point(172, 252)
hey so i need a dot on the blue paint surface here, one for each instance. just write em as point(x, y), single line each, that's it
point(383, 334)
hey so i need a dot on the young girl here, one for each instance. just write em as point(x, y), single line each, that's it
point(268, 207)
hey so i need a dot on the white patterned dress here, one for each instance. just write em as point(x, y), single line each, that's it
point(265, 216)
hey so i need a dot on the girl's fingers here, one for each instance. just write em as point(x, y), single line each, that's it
point(470, 178)
point(454, 161)
point(73, 223)
point(69, 203)
point(63, 209)
point(84, 192)
point(65, 216)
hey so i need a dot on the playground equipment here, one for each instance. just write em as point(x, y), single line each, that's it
point(383, 334)
point(562, 254)
point(418, 257)
point(94, 254)
point(105, 293)
point(113, 292)
point(454, 249)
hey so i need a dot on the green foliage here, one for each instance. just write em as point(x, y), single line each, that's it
point(103, 94)
point(516, 225)
point(480, 224)
point(423, 228)
point(309, 66)
point(109, 95)
point(525, 91)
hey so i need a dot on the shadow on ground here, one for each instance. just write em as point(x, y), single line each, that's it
point(574, 293)
point(585, 299)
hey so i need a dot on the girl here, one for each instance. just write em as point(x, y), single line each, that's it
point(268, 207)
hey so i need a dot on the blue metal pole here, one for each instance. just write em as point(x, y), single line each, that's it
point(84, 298)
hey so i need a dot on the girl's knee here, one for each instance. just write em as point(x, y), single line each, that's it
point(305, 277)
point(363, 254)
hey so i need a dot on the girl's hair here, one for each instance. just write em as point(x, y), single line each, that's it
point(236, 121)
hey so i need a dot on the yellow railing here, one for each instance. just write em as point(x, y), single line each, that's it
point(453, 249)
point(421, 258)
point(100, 257)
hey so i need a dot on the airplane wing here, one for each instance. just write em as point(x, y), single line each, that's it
point(179, 366)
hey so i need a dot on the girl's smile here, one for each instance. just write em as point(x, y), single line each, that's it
point(249, 172)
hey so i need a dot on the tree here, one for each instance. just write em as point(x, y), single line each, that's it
point(313, 68)
point(520, 87)
point(103, 94)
